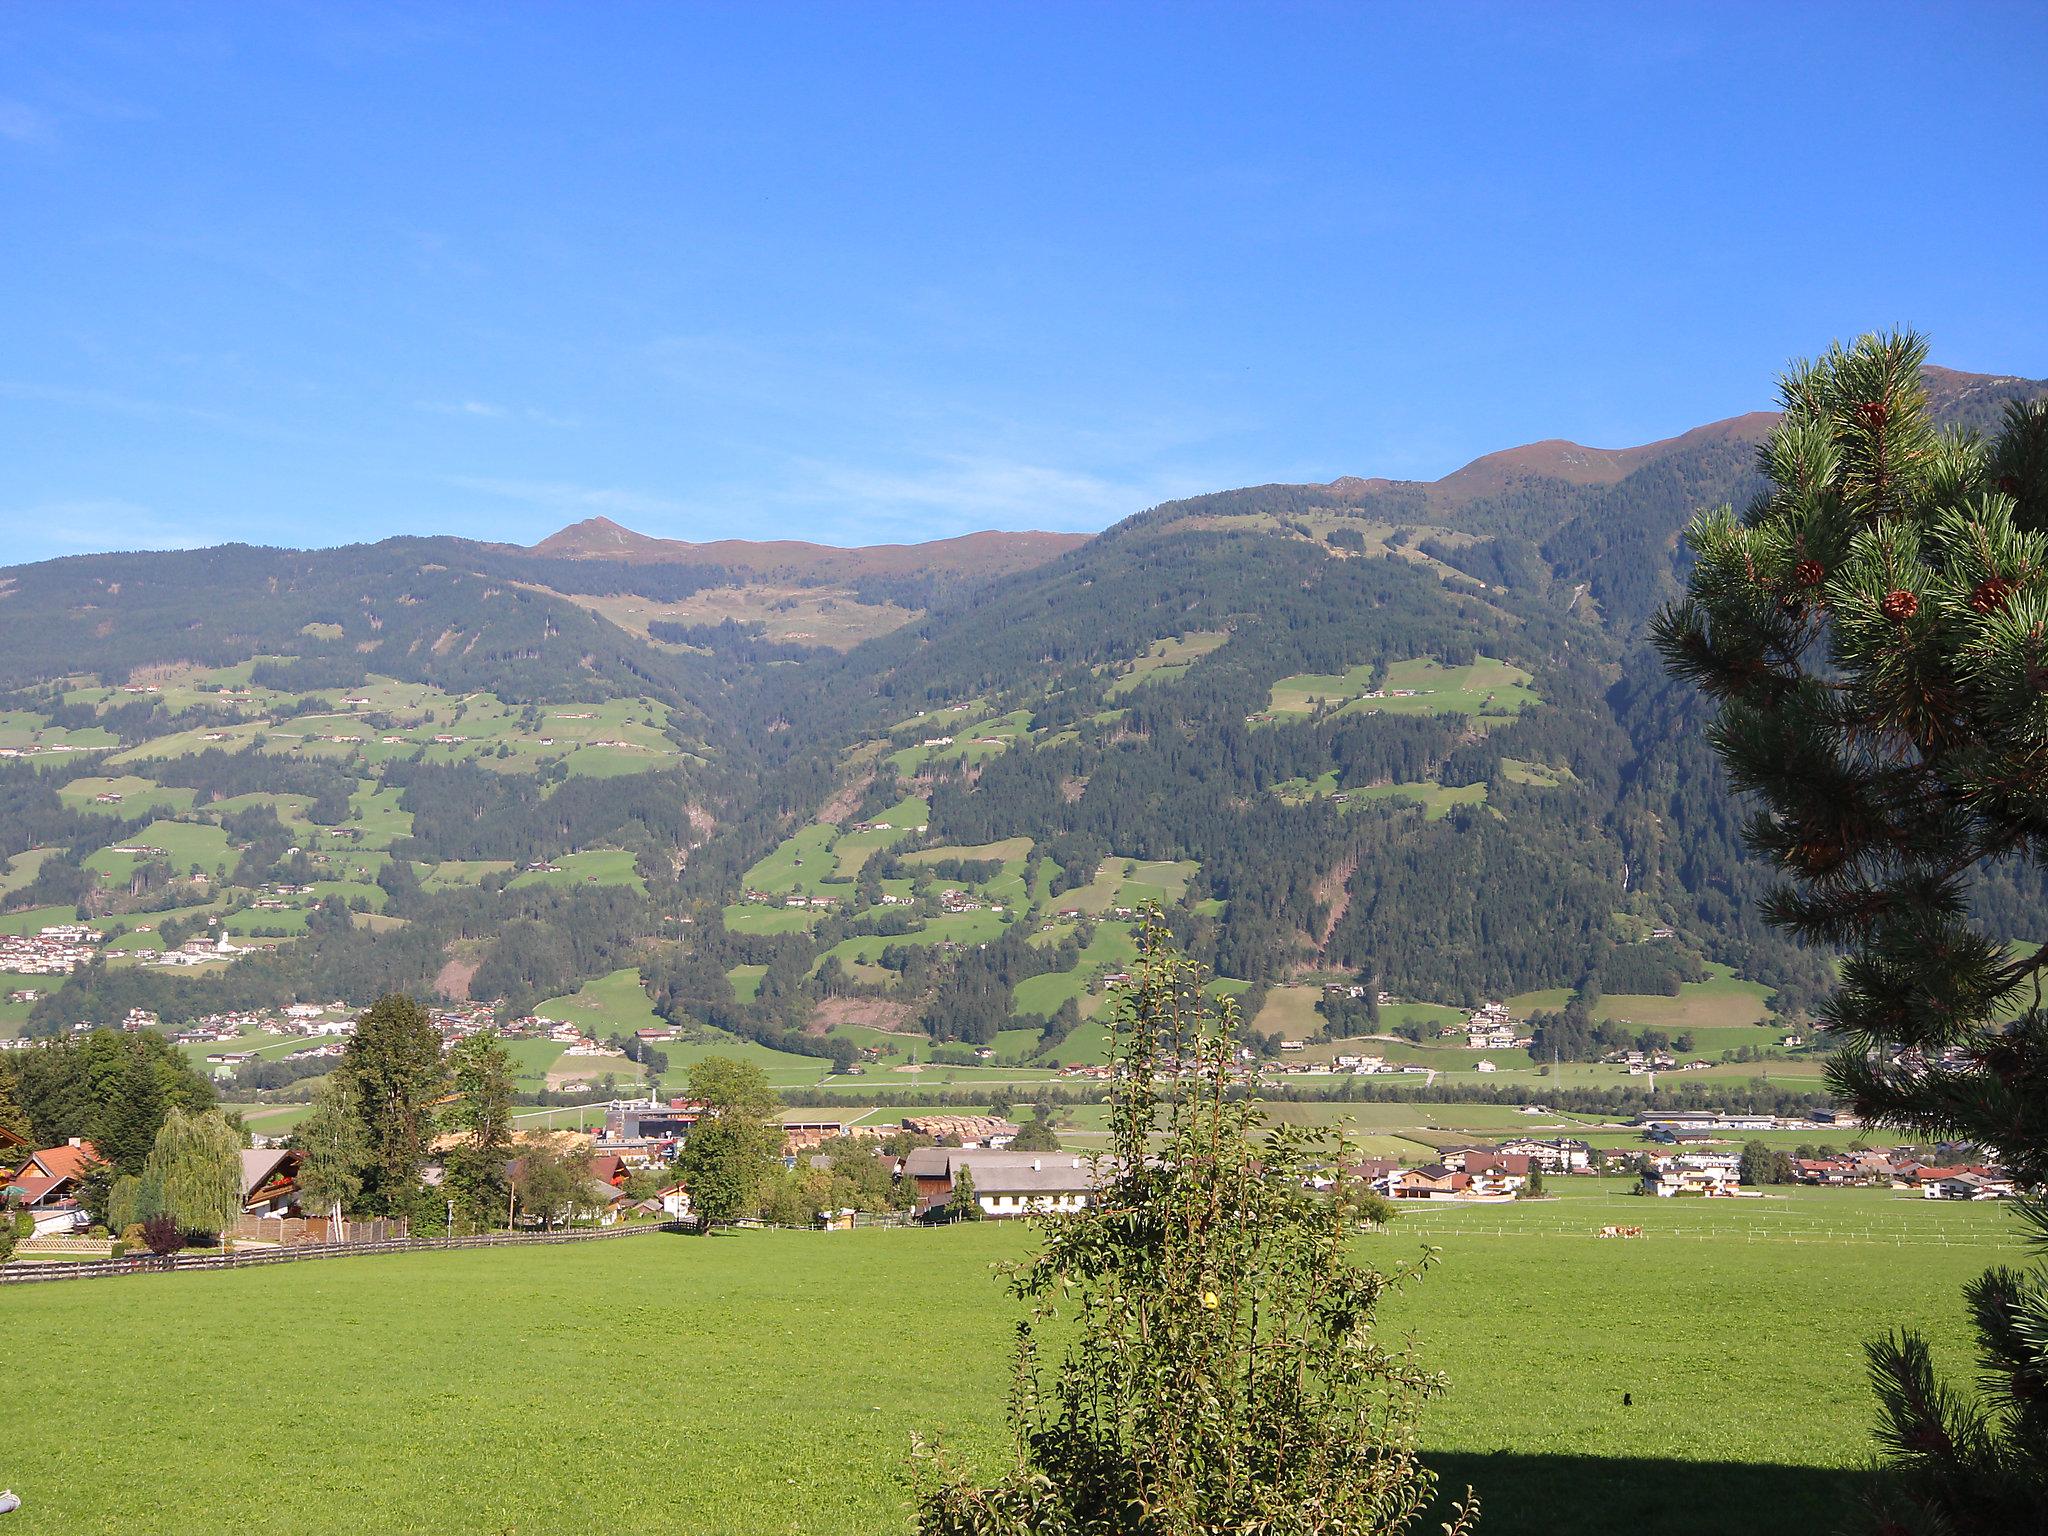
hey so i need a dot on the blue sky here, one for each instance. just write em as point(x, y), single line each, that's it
point(862, 272)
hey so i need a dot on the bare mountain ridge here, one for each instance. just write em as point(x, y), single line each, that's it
point(985, 554)
point(1967, 399)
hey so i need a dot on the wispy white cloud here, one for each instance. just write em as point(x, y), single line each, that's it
point(563, 496)
point(486, 410)
point(84, 524)
point(960, 492)
point(482, 408)
point(129, 405)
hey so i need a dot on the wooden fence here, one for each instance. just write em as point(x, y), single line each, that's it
point(290, 1231)
point(149, 1264)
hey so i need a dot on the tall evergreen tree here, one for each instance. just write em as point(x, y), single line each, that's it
point(132, 1114)
point(13, 1118)
point(1875, 630)
point(394, 1064)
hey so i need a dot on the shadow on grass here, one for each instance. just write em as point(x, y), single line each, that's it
point(1651, 1496)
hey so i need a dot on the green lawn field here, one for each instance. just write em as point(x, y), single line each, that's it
point(751, 1383)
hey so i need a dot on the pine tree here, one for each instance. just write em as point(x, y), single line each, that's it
point(13, 1118)
point(964, 1204)
point(1875, 631)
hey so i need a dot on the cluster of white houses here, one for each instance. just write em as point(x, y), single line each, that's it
point(57, 950)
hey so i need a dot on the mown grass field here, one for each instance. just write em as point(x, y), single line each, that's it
point(761, 1382)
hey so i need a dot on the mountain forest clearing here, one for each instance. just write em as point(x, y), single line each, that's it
point(495, 1390)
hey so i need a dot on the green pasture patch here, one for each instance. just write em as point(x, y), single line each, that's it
point(784, 1069)
point(452, 872)
point(596, 866)
point(1431, 1016)
point(616, 762)
point(190, 743)
point(142, 927)
point(22, 729)
point(759, 918)
point(1540, 775)
point(798, 865)
point(1291, 1013)
point(1112, 947)
point(1129, 883)
point(270, 1119)
point(375, 813)
point(1489, 690)
point(35, 919)
point(1167, 660)
point(185, 845)
point(288, 809)
point(852, 850)
point(137, 796)
point(1435, 799)
point(19, 872)
point(247, 922)
point(532, 1060)
point(608, 1005)
point(1014, 1044)
point(1006, 849)
point(973, 741)
point(939, 722)
point(746, 981)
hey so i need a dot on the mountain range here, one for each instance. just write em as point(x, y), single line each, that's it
point(1393, 736)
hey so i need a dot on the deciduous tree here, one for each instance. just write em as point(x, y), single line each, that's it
point(729, 1153)
point(335, 1153)
point(196, 1164)
point(482, 1112)
point(394, 1063)
point(1219, 1369)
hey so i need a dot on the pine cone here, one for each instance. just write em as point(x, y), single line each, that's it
point(2009, 484)
point(1991, 594)
point(1809, 573)
point(1899, 606)
point(1872, 413)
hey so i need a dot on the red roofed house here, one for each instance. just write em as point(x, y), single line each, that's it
point(1497, 1173)
point(47, 1185)
point(1825, 1170)
point(1435, 1182)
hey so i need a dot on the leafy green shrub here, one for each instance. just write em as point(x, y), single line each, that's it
point(1222, 1373)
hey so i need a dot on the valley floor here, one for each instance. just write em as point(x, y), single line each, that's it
point(770, 1382)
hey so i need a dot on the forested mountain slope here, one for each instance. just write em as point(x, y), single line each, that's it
point(1401, 737)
